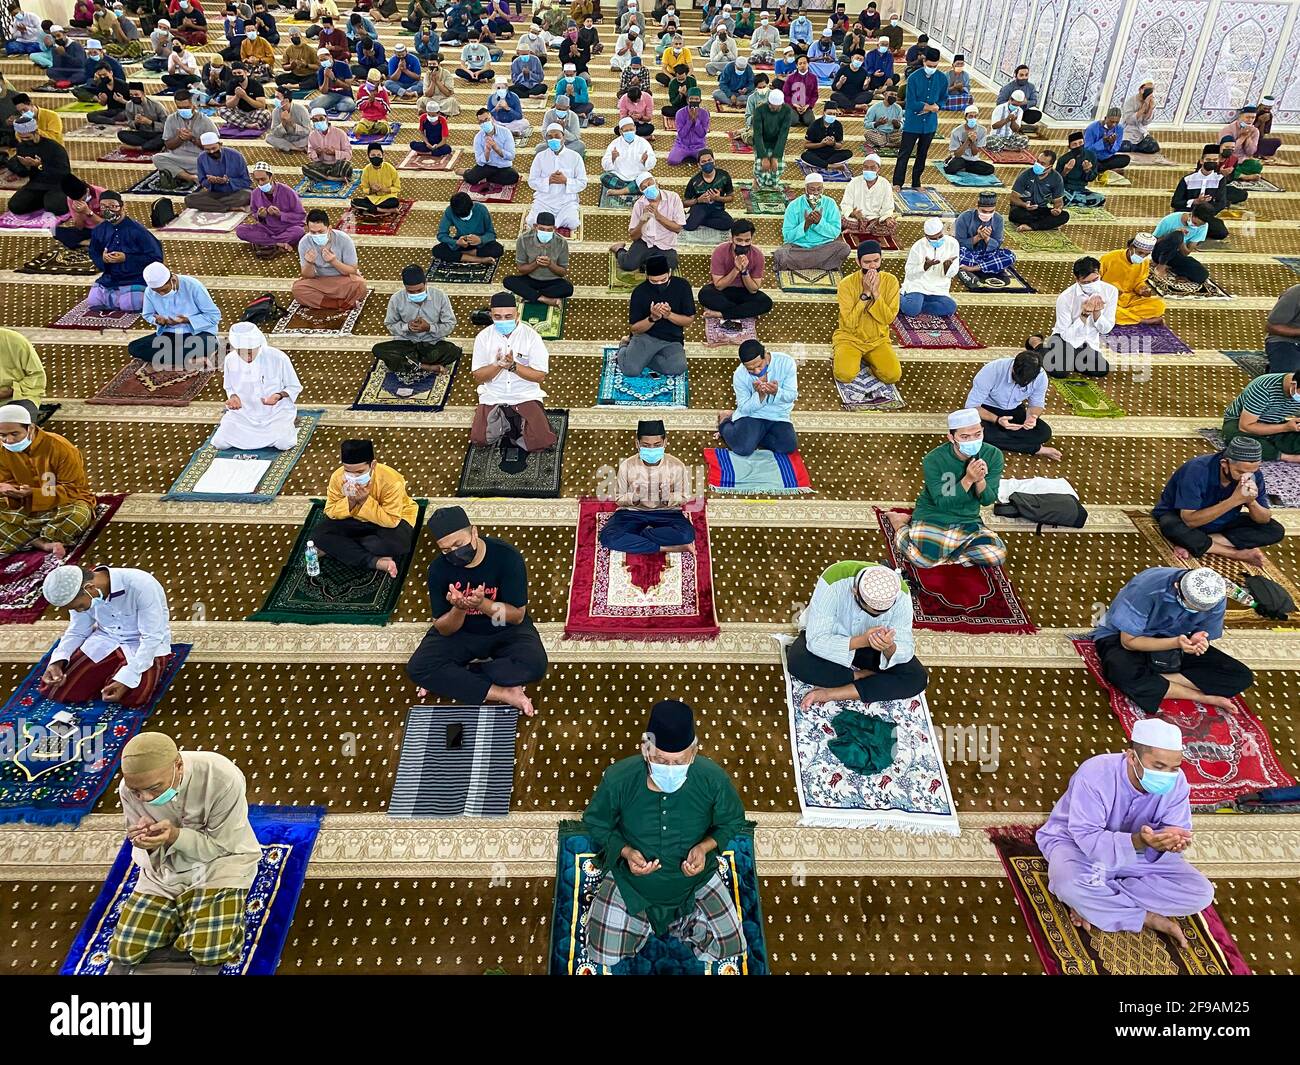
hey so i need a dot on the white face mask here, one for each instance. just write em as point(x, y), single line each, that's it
point(1135, 259)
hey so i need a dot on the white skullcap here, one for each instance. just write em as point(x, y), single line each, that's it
point(399, 47)
point(1145, 241)
point(554, 125)
point(776, 96)
point(878, 588)
point(261, 165)
point(813, 178)
point(1155, 732)
point(57, 29)
point(317, 111)
point(208, 139)
point(1267, 101)
point(963, 419)
point(245, 336)
point(872, 158)
point(826, 32)
point(25, 125)
point(156, 275)
point(1018, 97)
point(787, 51)
point(93, 45)
point(62, 585)
point(933, 227)
point(742, 62)
point(322, 51)
point(625, 121)
point(570, 66)
point(431, 107)
point(643, 176)
point(16, 414)
point(1202, 588)
point(163, 24)
point(973, 109)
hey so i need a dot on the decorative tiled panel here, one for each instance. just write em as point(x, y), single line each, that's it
point(975, 14)
point(1160, 45)
point(1014, 32)
point(1082, 55)
point(1039, 55)
point(1242, 42)
point(986, 48)
point(1287, 86)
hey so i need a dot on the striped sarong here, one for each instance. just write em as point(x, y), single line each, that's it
point(968, 543)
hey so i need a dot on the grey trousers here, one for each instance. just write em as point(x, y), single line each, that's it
point(636, 253)
point(644, 352)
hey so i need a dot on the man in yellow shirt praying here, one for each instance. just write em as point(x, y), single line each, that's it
point(369, 518)
point(1128, 269)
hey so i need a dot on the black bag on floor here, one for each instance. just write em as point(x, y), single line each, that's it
point(264, 308)
point(161, 212)
point(1271, 599)
point(1047, 508)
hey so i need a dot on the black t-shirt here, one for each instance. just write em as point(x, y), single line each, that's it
point(679, 296)
point(823, 128)
point(502, 575)
point(854, 80)
point(697, 186)
point(254, 90)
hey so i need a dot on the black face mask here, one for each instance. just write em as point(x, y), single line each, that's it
point(461, 556)
point(1209, 166)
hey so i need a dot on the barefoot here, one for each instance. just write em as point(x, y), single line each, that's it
point(896, 519)
point(1078, 921)
point(1023, 229)
point(386, 565)
point(723, 415)
point(432, 371)
point(713, 314)
point(1049, 453)
point(1166, 925)
point(1181, 553)
point(1221, 702)
point(518, 698)
point(284, 247)
point(614, 249)
point(550, 301)
point(422, 693)
point(1252, 556)
point(814, 698)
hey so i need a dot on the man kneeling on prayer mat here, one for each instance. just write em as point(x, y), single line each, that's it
point(658, 817)
point(195, 853)
point(222, 178)
point(1268, 411)
point(510, 364)
point(369, 520)
point(327, 257)
point(483, 647)
point(118, 638)
point(1114, 840)
point(766, 387)
point(1154, 641)
point(47, 501)
point(184, 317)
point(262, 394)
point(420, 319)
point(857, 639)
point(961, 476)
point(1010, 395)
point(868, 302)
point(542, 259)
point(1128, 269)
point(1218, 505)
point(651, 489)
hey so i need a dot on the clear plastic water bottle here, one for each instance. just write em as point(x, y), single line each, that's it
point(1237, 592)
point(312, 557)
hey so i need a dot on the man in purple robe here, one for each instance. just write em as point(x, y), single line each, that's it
point(280, 220)
point(692, 122)
point(1113, 842)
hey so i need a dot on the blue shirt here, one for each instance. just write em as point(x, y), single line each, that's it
point(230, 164)
point(505, 154)
point(1147, 606)
point(341, 70)
point(513, 113)
point(733, 81)
point(993, 387)
point(412, 65)
point(92, 65)
point(878, 62)
point(191, 300)
point(968, 224)
point(1195, 485)
point(922, 90)
point(526, 70)
point(134, 241)
point(1093, 142)
point(801, 30)
point(781, 371)
point(833, 618)
point(372, 62)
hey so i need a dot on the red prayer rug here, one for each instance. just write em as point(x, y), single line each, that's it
point(139, 383)
point(933, 331)
point(1066, 950)
point(82, 317)
point(1018, 157)
point(417, 161)
point(854, 235)
point(955, 598)
point(22, 573)
point(1225, 756)
point(737, 145)
point(384, 226)
point(123, 154)
point(644, 597)
point(502, 193)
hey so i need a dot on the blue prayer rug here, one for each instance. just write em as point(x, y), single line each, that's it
point(329, 190)
point(648, 390)
point(385, 389)
point(367, 139)
point(287, 835)
point(1290, 262)
point(927, 200)
point(282, 463)
point(965, 179)
point(54, 774)
point(578, 874)
point(1251, 362)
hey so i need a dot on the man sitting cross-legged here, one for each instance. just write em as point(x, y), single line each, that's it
point(369, 520)
point(651, 488)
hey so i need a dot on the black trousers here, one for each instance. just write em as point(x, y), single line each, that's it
point(1115, 162)
point(708, 216)
point(491, 175)
point(735, 301)
point(1214, 673)
point(920, 142)
point(898, 682)
point(512, 655)
point(826, 157)
point(405, 355)
point(1021, 441)
point(971, 166)
point(1189, 267)
point(558, 288)
point(133, 138)
point(1042, 218)
point(359, 543)
point(845, 102)
point(1283, 355)
point(1214, 226)
point(449, 253)
point(1244, 532)
point(168, 351)
point(28, 200)
point(1063, 359)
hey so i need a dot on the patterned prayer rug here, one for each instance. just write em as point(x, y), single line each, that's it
point(503, 193)
point(1090, 214)
point(184, 489)
point(965, 179)
point(41, 222)
point(455, 761)
point(1281, 479)
point(239, 133)
point(123, 154)
point(704, 237)
point(192, 221)
point(956, 598)
point(1178, 289)
point(853, 236)
point(367, 139)
point(927, 200)
point(416, 161)
point(82, 317)
point(617, 201)
point(64, 261)
point(1224, 755)
point(287, 835)
point(1048, 240)
point(1150, 159)
point(45, 412)
point(760, 201)
point(578, 873)
point(1018, 157)
point(933, 331)
point(440, 273)
point(415, 390)
point(737, 145)
point(1066, 950)
point(152, 185)
point(307, 321)
point(510, 471)
point(621, 280)
point(1009, 280)
point(546, 319)
point(91, 132)
point(911, 795)
point(387, 226)
point(808, 281)
point(1253, 363)
point(1292, 263)
point(1258, 185)
point(328, 190)
point(139, 383)
point(1113, 179)
point(865, 392)
point(837, 172)
point(342, 594)
point(717, 335)
point(1086, 398)
point(22, 573)
point(648, 390)
point(55, 775)
point(762, 473)
point(666, 596)
point(1145, 340)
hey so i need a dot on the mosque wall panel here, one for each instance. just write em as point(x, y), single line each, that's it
point(976, 12)
point(1039, 54)
point(1083, 55)
point(1243, 38)
point(1287, 86)
point(986, 48)
point(1014, 31)
point(1160, 46)
point(911, 12)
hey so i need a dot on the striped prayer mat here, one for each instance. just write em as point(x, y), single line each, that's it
point(648, 390)
point(385, 389)
point(455, 761)
point(1086, 398)
point(762, 473)
point(183, 489)
point(511, 471)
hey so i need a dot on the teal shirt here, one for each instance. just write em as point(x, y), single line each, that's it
point(625, 812)
point(825, 231)
point(451, 228)
point(943, 501)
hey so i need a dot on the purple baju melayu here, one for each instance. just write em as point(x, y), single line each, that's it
point(288, 228)
point(1091, 861)
point(690, 135)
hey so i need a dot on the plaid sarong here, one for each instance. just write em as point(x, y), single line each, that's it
point(60, 525)
point(206, 923)
point(926, 545)
point(712, 927)
point(988, 262)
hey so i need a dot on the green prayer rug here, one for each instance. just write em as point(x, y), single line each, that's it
point(79, 108)
point(1086, 399)
point(1044, 240)
point(1091, 214)
point(621, 280)
point(510, 471)
point(547, 320)
point(766, 201)
point(342, 595)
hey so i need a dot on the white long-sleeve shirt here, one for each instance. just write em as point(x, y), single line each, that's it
point(1078, 330)
point(528, 350)
point(254, 424)
point(936, 281)
point(833, 618)
point(557, 199)
point(632, 158)
point(134, 618)
point(872, 201)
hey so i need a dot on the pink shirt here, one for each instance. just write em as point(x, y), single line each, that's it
point(642, 110)
point(654, 234)
point(330, 146)
point(723, 261)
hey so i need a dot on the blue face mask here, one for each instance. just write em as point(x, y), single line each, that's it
point(972, 122)
point(276, 104)
point(361, 479)
point(320, 127)
point(1197, 233)
point(871, 175)
point(630, 136)
point(937, 243)
point(545, 235)
point(417, 297)
point(505, 328)
point(555, 144)
point(266, 188)
point(706, 168)
point(883, 49)
point(486, 127)
point(164, 798)
point(21, 445)
point(668, 778)
point(929, 71)
point(1039, 169)
point(320, 239)
point(970, 448)
point(856, 64)
point(651, 455)
point(1156, 782)
point(185, 112)
point(651, 193)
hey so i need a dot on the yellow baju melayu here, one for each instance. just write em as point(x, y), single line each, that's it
point(1118, 270)
point(863, 330)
